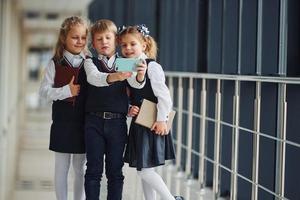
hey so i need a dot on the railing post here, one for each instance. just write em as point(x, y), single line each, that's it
point(281, 146)
point(235, 140)
point(202, 138)
point(179, 125)
point(282, 104)
point(256, 137)
point(216, 175)
point(190, 129)
point(283, 37)
point(259, 36)
point(171, 87)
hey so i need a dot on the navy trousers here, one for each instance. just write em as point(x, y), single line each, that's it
point(104, 137)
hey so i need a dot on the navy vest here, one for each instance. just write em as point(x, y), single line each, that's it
point(70, 109)
point(112, 98)
point(137, 95)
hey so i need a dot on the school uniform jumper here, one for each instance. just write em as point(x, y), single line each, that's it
point(145, 149)
point(67, 129)
point(106, 134)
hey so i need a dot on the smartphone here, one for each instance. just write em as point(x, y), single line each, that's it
point(126, 64)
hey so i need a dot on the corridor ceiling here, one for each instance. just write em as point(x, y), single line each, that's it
point(42, 18)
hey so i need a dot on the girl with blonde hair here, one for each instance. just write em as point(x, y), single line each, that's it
point(64, 84)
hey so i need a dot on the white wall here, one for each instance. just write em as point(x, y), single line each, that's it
point(11, 93)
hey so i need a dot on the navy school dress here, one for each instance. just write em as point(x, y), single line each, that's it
point(145, 149)
point(68, 116)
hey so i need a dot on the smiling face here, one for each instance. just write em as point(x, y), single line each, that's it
point(132, 46)
point(105, 43)
point(76, 39)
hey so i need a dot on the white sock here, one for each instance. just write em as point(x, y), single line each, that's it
point(78, 162)
point(62, 165)
point(154, 182)
point(149, 192)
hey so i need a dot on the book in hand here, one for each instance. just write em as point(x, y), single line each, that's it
point(147, 115)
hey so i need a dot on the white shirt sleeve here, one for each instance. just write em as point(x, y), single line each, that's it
point(160, 90)
point(132, 81)
point(47, 91)
point(94, 76)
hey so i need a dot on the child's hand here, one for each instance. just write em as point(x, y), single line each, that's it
point(141, 70)
point(133, 111)
point(74, 88)
point(160, 128)
point(118, 76)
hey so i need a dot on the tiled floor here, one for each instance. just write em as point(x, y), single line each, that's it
point(36, 165)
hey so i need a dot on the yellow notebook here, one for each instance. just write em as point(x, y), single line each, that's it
point(147, 115)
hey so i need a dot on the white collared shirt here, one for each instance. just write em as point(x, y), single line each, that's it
point(74, 60)
point(160, 89)
point(99, 79)
point(46, 90)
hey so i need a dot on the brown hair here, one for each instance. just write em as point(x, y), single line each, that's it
point(151, 46)
point(66, 26)
point(103, 25)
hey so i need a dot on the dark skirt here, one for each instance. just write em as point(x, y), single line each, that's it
point(67, 137)
point(146, 149)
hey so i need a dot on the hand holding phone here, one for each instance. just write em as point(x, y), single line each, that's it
point(141, 71)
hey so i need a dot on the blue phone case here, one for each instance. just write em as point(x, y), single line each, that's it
point(126, 64)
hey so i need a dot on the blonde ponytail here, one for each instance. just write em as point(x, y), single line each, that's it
point(151, 47)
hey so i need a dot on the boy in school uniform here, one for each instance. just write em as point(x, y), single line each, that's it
point(106, 107)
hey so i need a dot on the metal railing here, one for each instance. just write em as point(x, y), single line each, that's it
point(175, 83)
